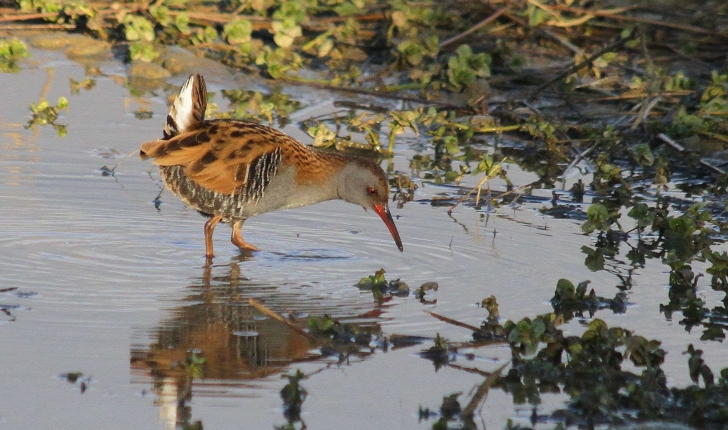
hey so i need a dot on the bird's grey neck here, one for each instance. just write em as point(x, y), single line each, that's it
point(279, 195)
point(346, 182)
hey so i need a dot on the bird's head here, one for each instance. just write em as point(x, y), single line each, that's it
point(364, 183)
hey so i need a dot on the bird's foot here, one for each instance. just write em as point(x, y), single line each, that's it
point(243, 245)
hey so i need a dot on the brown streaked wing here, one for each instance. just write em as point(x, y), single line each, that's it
point(227, 157)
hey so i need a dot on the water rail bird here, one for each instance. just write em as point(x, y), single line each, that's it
point(230, 170)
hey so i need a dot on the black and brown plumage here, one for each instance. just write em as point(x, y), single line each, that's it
point(231, 170)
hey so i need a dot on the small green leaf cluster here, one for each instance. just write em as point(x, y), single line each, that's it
point(256, 105)
point(138, 28)
point(683, 233)
point(337, 44)
point(490, 328)
point(143, 51)
point(489, 167)
point(381, 288)
point(598, 218)
point(413, 53)
point(404, 31)
point(277, 62)
point(525, 336)
point(46, 114)
point(12, 50)
point(571, 301)
point(293, 396)
point(449, 414)
point(343, 338)
point(465, 67)
point(718, 269)
point(588, 367)
point(709, 117)
point(447, 130)
point(42, 6)
point(195, 365)
point(607, 175)
point(642, 155)
point(321, 134)
point(238, 31)
point(64, 11)
point(377, 280)
point(541, 130)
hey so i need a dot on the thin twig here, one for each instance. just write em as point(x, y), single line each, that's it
point(671, 142)
point(452, 321)
point(474, 28)
point(473, 370)
point(612, 15)
point(582, 64)
point(379, 74)
point(681, 148)
point(27, 16)
point(631, 96)
point(474, 189)
point(50, 72)
point(580, 156)
point(364, 91)
point(545, 33)
point(480, 395)
point(268, 312)
point(24, 27)
point(642, 117)
point(712, 167)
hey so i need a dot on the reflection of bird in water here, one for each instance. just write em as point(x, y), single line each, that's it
point(231, 170)
point(213, 333)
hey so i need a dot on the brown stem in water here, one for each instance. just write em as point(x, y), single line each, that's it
point(452, 321)
point(617, 17)
point(268, 312)
point(24, 27)
point(480, 395)
point(27, 16)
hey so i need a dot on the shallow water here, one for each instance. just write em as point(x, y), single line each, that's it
point(101, 281)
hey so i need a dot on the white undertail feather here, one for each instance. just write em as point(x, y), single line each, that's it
point(188, 110)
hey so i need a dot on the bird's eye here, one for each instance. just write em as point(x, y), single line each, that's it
point(372, 191)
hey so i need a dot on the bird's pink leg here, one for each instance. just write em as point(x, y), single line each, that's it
point(237, 238)
point(209, 228)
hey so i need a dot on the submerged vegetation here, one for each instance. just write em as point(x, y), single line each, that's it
point(631, 99)
point(590, 370)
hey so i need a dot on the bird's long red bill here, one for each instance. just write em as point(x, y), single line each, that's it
point(383, 212)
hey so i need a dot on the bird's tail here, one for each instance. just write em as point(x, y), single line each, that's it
point(187, 113)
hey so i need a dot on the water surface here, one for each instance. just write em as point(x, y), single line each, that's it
point(105, 276)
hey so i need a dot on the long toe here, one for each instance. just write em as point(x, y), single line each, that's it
point(237, 238)
point(243, 245)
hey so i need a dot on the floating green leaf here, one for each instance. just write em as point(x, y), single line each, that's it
point(597, 219)
point(285, 32)
point(238, 31)
point(138, 28)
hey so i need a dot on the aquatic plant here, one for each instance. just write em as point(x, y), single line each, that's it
point(12, 50)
